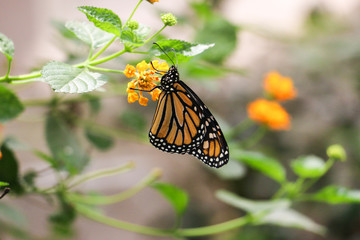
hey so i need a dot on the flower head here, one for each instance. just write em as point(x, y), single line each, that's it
point(270, 113)
point(279, 87)
point(168, 19)
point(132, 24)
point(337, 152)
point(144, 80)
point(152, 1)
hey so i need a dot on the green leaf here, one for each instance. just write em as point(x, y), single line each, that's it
point(251, 206)
point(177, 197)
point(184, 51)
point(62, 220)
point(232, 170)
point(336, 195)
point(133, 121)
point(49, 159)
point(94, 102)
point(266, 165)
point(6, 47)
point(12, 216)
point(309, 166)
point(10, 106)
point(67, 79)
point(292, 219)
point(276, 212)
point(64, 145)
point(89, 34)
point(98, 139)
point(103, 18)
point(221, 32)
point(9, 169)
point(3, 184)
point(135, 37)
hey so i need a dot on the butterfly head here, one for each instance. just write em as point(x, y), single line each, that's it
point(169, 78)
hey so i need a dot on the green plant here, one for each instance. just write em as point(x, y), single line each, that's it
point(68, 157)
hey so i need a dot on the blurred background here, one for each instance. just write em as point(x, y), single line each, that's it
point(313, 42)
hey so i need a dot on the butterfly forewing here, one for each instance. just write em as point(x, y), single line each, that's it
point(178, 126)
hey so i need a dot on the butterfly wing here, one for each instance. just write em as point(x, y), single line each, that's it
point(178, 125)
point(213, 150)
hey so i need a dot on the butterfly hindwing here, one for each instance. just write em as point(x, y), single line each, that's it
point(214, 150)
point(178, 126)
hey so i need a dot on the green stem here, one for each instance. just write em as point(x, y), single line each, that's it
point(8, 70)
point(105, 59)
point(241, 127)
point(105, 69)
point(103, 49)
point(256, 137)
point(132, 14)
point(155, 35)
point(101, 173)
point(200, 231)
point(105, 200)
point(22, 77)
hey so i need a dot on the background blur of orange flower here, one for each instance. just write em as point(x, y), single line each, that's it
point(270, 113)
point(152, 1)
point(279, 87)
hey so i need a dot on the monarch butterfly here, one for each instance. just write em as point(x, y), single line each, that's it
point(183, 124)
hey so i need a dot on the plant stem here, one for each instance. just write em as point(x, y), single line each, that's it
point(102, 173)
point(201, 231)
point(103, 49)
point(256, 137)
point(132, 14)
point(155, 35)
point(105, 59)
point(239, 128)
point(105, 69)
point(21, 77)
point(8, 70)
point(105, 200)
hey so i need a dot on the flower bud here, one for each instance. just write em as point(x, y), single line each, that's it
point(168, 19)
point(336, 152)
point(132, 24)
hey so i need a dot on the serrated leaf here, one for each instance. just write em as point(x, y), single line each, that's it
point(3, 184)
point(309, 166)
point(64, 145)
point(177, 197)
point(9, 170)
point(89, 34)
point(103, 18)
point(251, 205)
point(67, 79)
point(336, 195)
point(6, 47)
point(266, 165)
point(291, 218)
point(10, 106)
point(98, 139)
point(184, 50)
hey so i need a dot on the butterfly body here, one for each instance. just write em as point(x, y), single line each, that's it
point(183, 124)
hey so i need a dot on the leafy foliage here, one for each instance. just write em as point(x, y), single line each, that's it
point(103, 18)
point(67, 79)
point(64, 145)
point(10, 106)
point(89, 34)
point(178, 50)
point(6, 47)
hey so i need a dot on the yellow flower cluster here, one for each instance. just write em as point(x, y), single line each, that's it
point(270, 112)
point(144, 80)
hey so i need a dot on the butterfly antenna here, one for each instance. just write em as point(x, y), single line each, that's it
point(164, 52)
point(177, 62)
